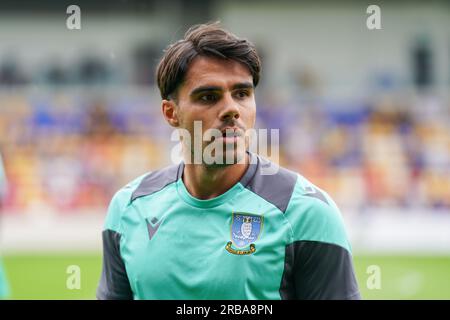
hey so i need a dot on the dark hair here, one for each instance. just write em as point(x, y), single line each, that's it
point(203, 40)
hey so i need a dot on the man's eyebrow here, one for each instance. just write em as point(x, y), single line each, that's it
point(243, 85)
point(202, 89)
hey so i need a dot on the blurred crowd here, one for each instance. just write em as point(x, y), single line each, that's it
point(67, 151)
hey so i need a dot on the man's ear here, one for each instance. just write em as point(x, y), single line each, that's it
point(170, 112)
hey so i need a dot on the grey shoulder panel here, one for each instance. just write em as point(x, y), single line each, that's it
point(114, 283)
point(318, 271)
point(313, 192)
point(157, 180)
point(275, 186)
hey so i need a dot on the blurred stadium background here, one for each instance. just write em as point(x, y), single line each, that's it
point(364, 114)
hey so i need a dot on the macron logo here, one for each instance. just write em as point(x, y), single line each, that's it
point(314, 193)
point(152, 226)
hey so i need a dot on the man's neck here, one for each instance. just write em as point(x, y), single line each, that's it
point(206, 182)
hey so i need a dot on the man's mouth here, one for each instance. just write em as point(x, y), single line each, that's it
point(230, 135)
point(231, 132)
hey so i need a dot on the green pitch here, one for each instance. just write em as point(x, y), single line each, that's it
point(45, 276)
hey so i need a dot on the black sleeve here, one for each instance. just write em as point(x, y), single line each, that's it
point(318, 271)
point(114, 283)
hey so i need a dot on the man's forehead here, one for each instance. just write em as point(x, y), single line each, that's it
point(215, 71)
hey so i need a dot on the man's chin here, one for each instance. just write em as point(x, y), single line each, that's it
point(225, 159)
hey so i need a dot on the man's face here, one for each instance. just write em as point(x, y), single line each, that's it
point(220, 94)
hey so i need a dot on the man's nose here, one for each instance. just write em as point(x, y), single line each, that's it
point(230, 109)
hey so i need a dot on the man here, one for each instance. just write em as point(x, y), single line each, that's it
point(221, 230)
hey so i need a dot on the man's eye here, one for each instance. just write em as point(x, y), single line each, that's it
point(242, 94)
point(208, 98)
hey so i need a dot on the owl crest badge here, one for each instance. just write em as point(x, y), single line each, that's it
point(245, 230)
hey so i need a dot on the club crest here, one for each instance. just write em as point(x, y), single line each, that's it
point(245, 230)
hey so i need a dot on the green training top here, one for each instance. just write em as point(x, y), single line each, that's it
point(270, 236)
